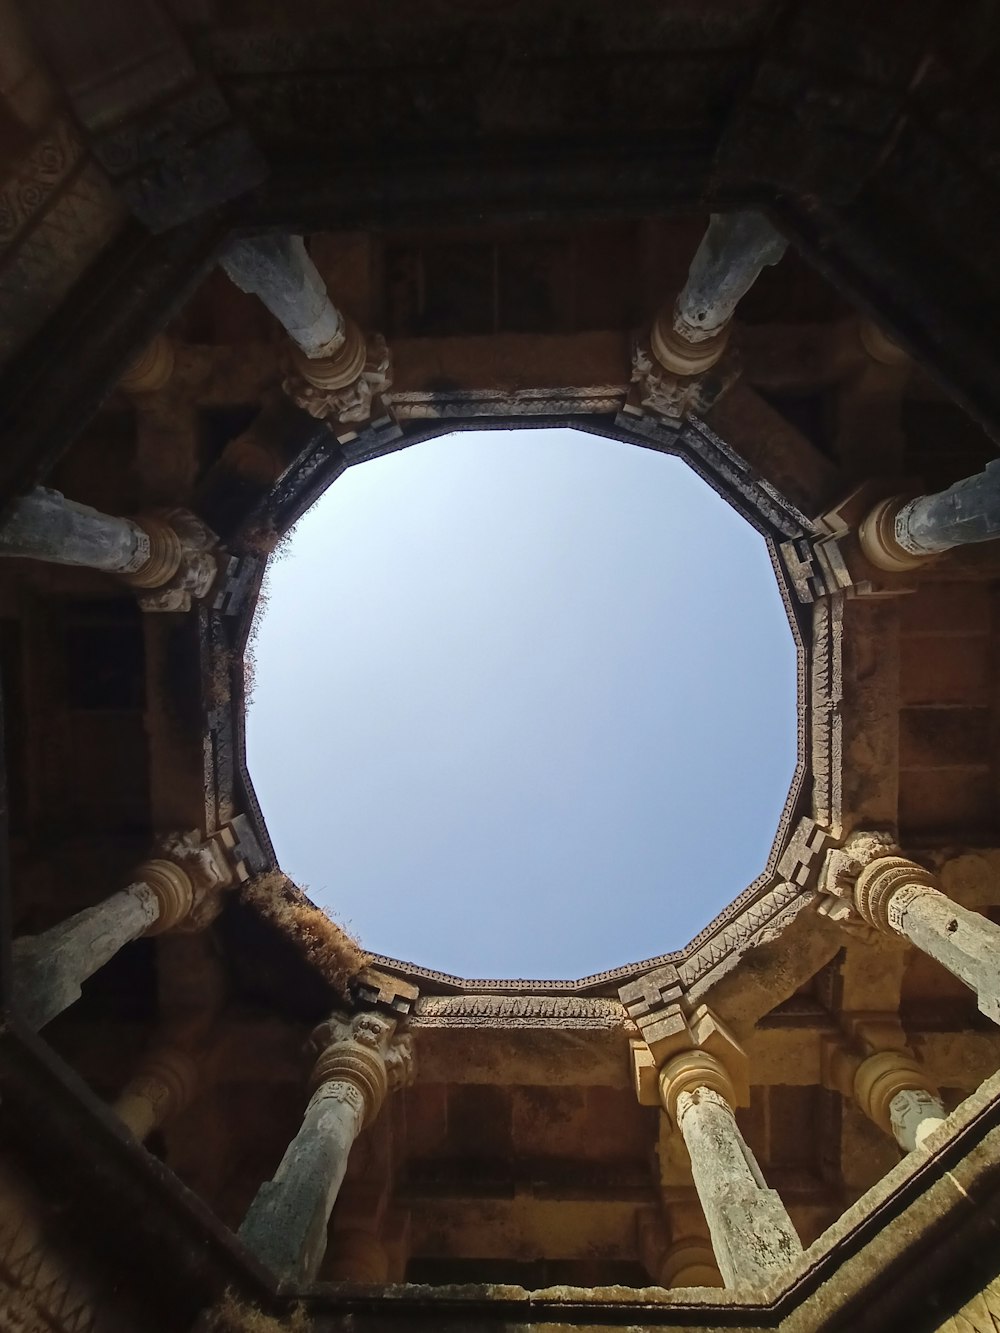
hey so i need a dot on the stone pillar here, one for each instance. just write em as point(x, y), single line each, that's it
point(49, 969)
point(752, 1234)
point(277, 269)
point(894, 1091)
point(161, 1088)
point(690, 337)
point(151, 552)
point(360, 1060)
point(899, 897)
point(901, 533)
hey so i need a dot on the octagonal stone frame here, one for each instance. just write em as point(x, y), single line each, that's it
point(762, 909)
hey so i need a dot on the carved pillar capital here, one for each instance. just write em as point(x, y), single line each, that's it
point(182, 562)
point(691, 1075)
point(881, 1077)
point(173, 889)
point(898, 897)
point(343, 387)
point(683, 350)
point(880, 541)
point(364, 1053)
point(151, 369)
point(886, 886)
point(163, 1085)
point(339, 366)
point(689, 337)
point(187, 879)
point(680, 1047)
point(162, 556)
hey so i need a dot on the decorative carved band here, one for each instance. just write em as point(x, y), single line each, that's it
point(364, 1053)
point(359, 1066)
point(883, 881)
point(679, 354)
point(173, 889)
point(879, 538)
point(165, 553)
point(339, 370)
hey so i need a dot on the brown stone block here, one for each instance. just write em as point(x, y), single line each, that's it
point(947, 608)
point(943, 737)
point(945, 669)
point(664, 1033)
point(426, 1118)
point(945, 800)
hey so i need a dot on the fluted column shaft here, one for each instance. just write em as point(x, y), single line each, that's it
point(691, 336)
point(286, 1225)
point(752, 1234)
point(899, 897)
point(50, 968)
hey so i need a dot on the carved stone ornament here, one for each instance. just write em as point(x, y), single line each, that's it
point(362, 1053)
point(204, 869)
point(839, 875)
point(349, 402)
point(674, 396)
point(184, 562)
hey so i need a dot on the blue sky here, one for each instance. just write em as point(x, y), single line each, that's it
point(525, 704)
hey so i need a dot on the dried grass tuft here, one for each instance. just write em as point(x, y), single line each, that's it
point(327, 946)
point(230, 1316)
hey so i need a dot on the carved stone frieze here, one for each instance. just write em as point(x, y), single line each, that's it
point(574, 1013)
point(36, 178)
point(825, 710)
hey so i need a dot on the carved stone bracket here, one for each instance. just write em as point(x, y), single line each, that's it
point(679, 1037)
point(815, 567)
point(196, 568)
point(385, 992)
point(352, 401)
point(675, 396)
point(801, 860)
point(839, 874)
point(205, 866)
point(238, 844)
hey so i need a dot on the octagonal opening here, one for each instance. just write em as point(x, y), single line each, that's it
point(524, 705)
